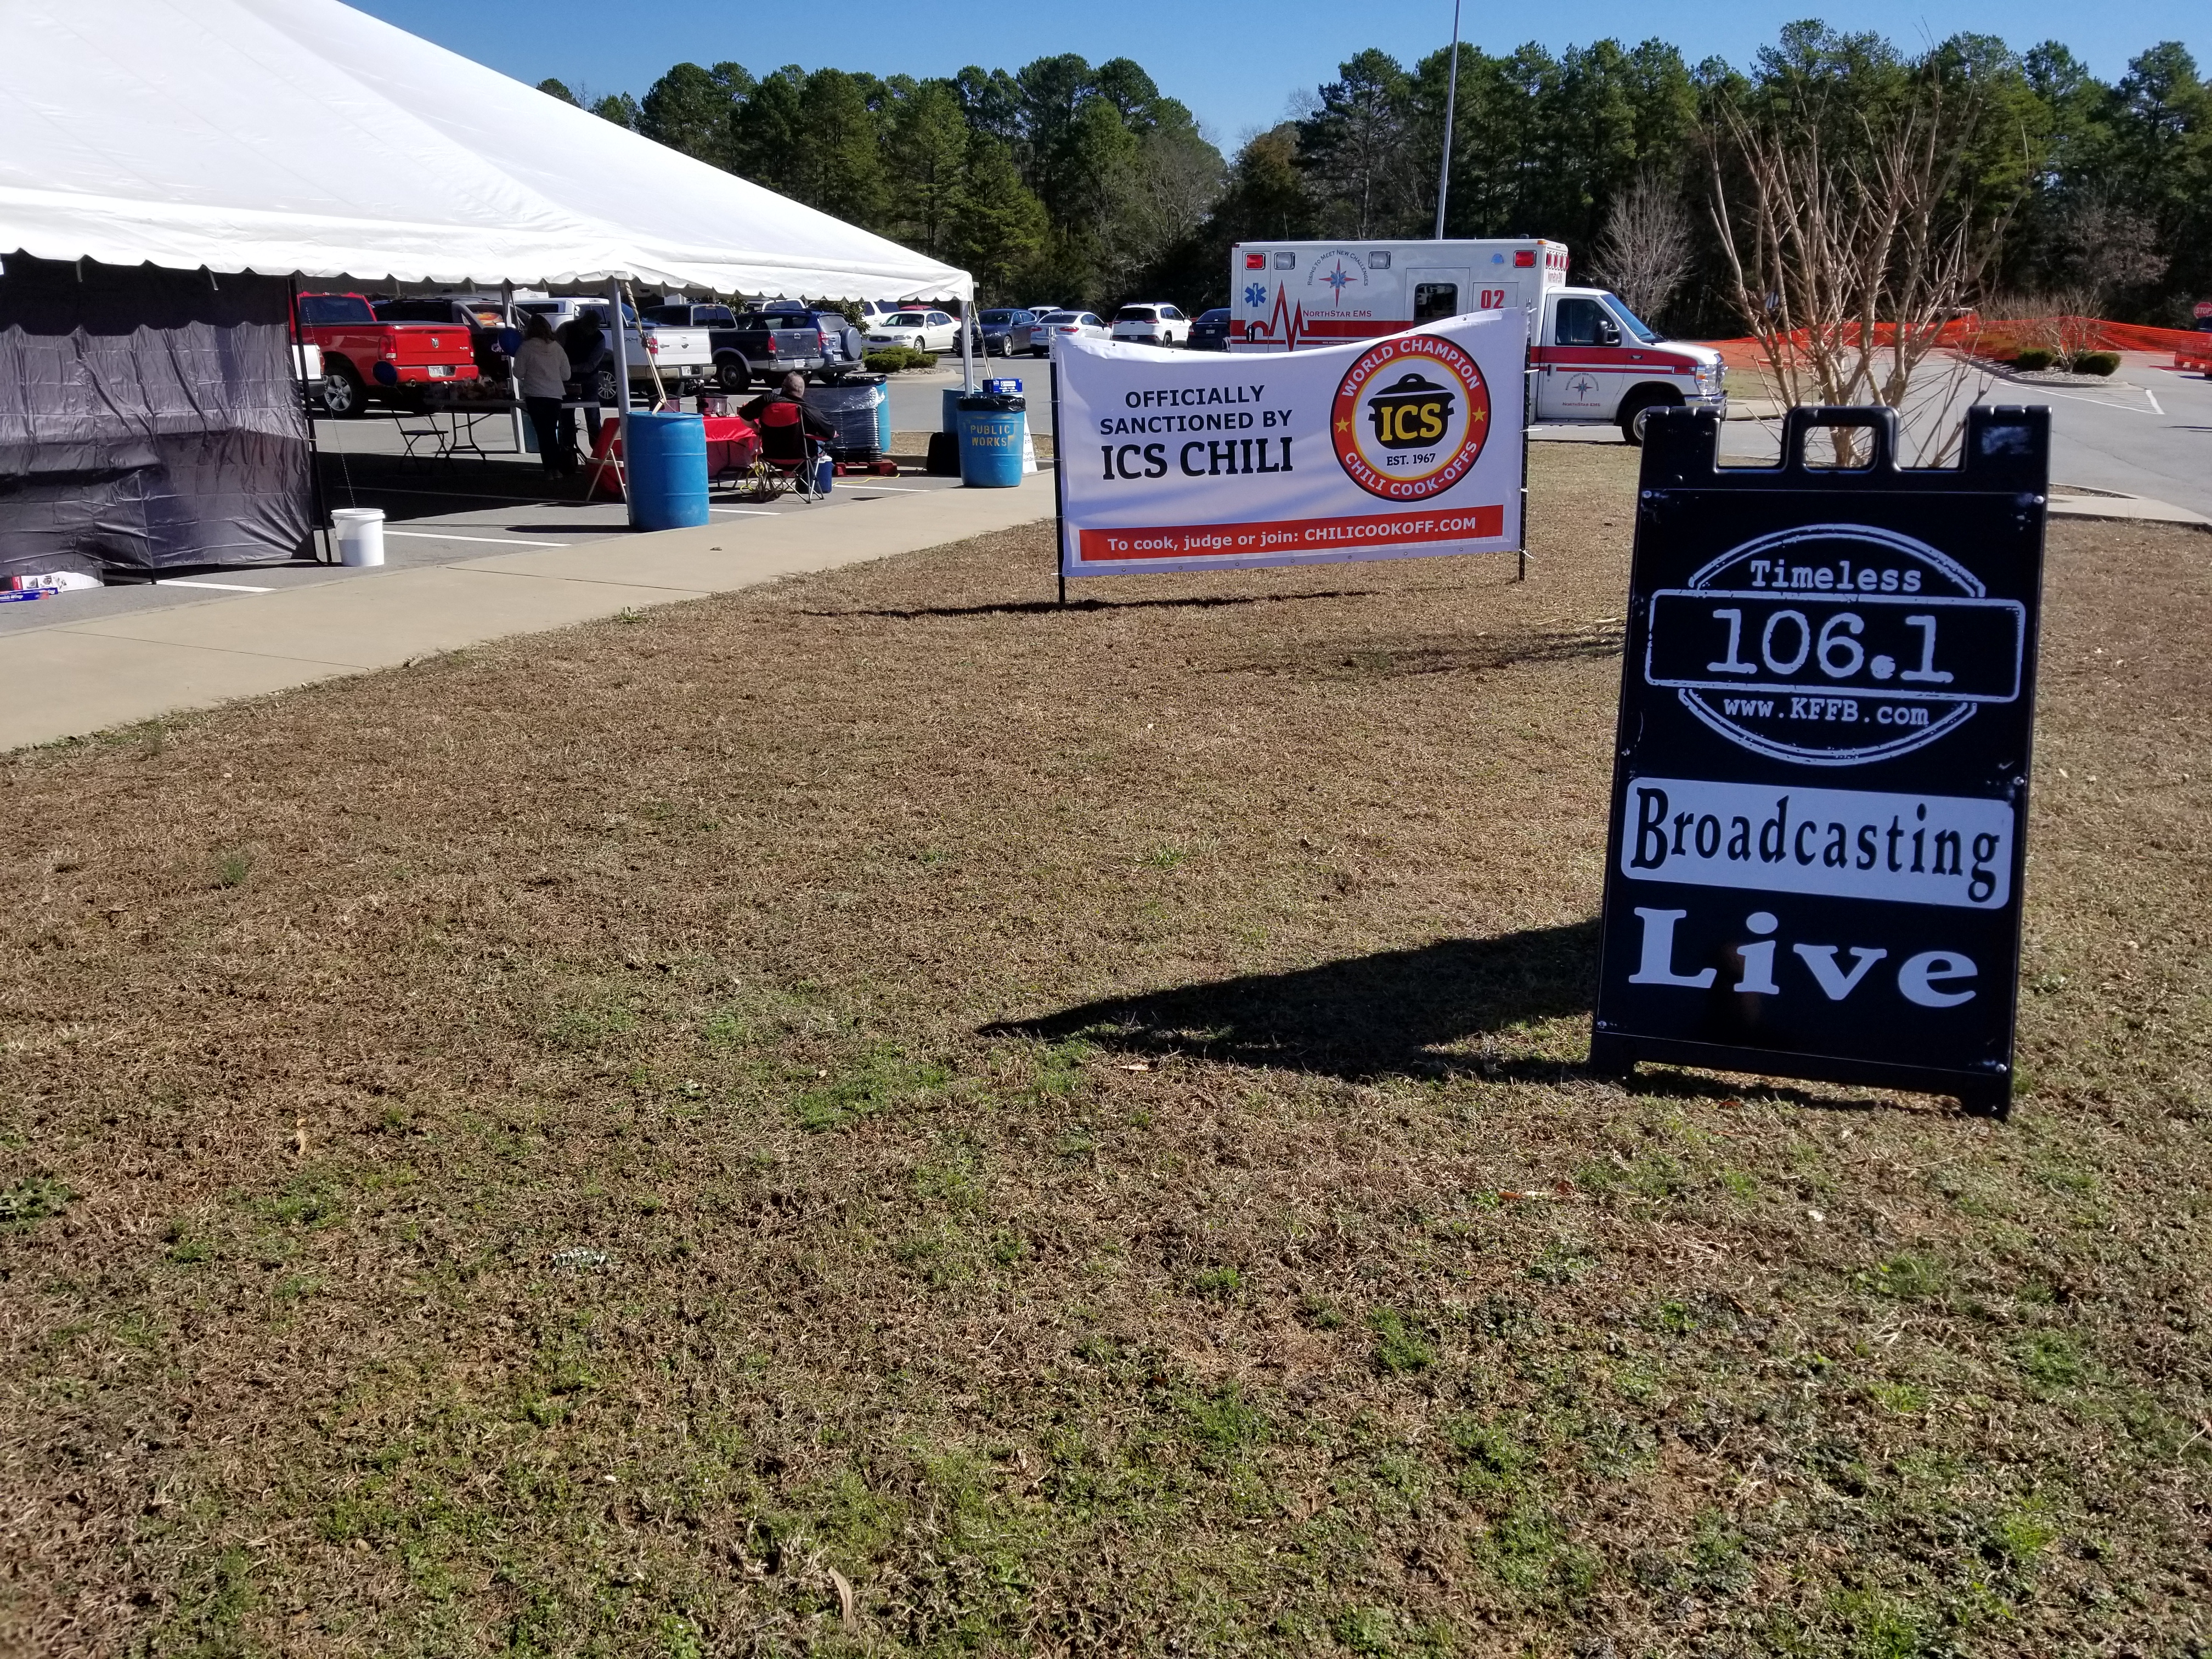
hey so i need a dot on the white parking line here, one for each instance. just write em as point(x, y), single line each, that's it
point(495, 541)
point(2076, 397)
point(2153, 396)
point(750, 512)
point(227, 587)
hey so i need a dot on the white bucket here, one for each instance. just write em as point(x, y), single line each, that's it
point(360, 535)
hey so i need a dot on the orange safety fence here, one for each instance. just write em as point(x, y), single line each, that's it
point(1994, 336)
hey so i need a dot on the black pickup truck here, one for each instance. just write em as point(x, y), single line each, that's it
point(759, 346)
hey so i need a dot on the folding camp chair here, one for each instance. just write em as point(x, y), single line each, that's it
point(788, 457)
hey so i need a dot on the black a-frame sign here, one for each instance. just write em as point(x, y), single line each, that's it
point(1819, 799)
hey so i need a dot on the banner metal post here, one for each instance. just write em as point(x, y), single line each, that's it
point(1527, 422)
point(1059, 493)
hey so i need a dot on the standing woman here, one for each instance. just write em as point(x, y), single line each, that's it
point(541, 376)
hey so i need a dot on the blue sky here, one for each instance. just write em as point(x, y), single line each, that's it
point(1234, 63)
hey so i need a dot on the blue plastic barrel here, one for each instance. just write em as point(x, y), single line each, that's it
point(991, 441)
point(884, 423)
point(666, 457)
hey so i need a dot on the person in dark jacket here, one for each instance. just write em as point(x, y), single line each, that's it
point(780, 439)
point(585, 343)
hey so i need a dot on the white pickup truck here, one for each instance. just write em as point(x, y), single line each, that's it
point(684, 356)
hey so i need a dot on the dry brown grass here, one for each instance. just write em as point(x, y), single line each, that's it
point(1072, 1122)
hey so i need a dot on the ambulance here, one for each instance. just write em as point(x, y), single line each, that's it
point(1595, 361)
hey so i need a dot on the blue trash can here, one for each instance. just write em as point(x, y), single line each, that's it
point(666, 457)
point(991, 433)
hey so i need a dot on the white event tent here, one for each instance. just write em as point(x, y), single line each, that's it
point(303, 137)
point(296, 140)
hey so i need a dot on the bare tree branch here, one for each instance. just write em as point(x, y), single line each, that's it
point(1644, 253)
point(1847, 248)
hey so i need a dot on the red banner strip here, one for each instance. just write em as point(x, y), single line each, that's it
point(1230, 541)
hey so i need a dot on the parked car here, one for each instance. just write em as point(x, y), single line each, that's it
point(1211, 331)
point(923, 331)
point(775, 340)
point(684, 356)
point(1059, 323)
point(484, 316)
point(1003, 329)
point(364, 357)
point(1152, 324)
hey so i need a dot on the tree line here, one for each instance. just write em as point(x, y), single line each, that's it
point(1067, 181)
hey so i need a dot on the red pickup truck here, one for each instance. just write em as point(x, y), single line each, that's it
point(364, 358)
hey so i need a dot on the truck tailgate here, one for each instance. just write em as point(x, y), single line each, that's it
point(417, 344)
point(795, 345)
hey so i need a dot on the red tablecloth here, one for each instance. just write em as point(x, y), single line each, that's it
point(732, 441)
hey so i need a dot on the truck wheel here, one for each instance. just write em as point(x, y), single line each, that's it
point(1638, 410)
point(344, 395)
point(609, 390)
point(731, 374)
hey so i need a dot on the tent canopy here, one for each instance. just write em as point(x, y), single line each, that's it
point(301, 137)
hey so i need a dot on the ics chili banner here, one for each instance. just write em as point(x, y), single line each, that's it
point(1819, 797)
point(1383, 449)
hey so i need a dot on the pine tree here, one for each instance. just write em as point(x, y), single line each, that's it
point(927, 163)
point(764, 132)
point(841, 160)
point(999, 229)
point(690, 109)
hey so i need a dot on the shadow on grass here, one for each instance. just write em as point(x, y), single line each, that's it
point(1365, 1016)
point(1407, 658)
point(1037, 607)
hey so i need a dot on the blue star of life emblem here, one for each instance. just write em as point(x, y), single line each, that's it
point(1256, 294)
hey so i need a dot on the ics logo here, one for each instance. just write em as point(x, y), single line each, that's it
point(1411, 412)
point(1410, 418)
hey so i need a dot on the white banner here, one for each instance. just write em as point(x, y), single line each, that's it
point(1382, 449)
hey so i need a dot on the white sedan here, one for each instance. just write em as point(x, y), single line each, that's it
point(1058, 324)
point(1152, 324)
point(924, 330)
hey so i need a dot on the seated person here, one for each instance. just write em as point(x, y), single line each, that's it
point(785, 421)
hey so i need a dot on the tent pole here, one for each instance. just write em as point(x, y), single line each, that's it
point(298, 365)
point(507, 320)
point(968, 342)
point(622, 390)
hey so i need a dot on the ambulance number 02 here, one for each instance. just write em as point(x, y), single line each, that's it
point(1492, 299)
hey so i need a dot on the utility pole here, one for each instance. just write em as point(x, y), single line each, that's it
point(1451, 102)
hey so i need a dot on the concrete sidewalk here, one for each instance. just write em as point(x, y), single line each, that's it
point(81, 677)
